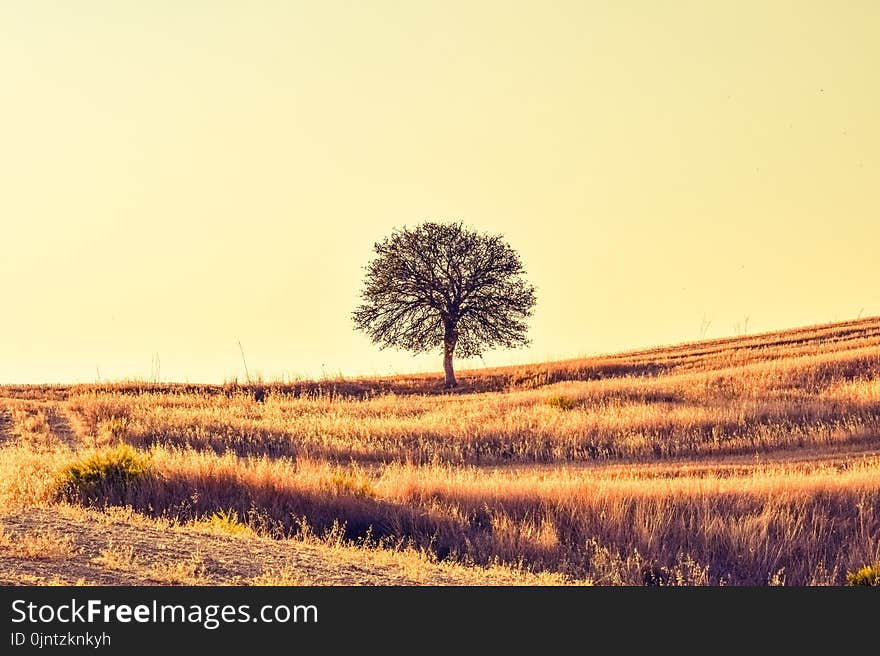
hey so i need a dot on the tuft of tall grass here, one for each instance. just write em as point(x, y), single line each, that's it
point(562, 402)
point(868, 575)
point(101, 474)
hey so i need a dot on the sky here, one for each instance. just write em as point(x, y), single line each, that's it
point(180, 177)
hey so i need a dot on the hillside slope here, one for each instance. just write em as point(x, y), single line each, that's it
point(749, 460)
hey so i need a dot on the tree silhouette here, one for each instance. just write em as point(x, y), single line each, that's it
point(441, 284)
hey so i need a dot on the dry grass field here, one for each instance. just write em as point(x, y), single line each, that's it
point(744, 461)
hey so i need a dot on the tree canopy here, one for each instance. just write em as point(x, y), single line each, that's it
point(444, 285)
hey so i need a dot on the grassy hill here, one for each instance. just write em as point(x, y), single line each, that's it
point(748, 460)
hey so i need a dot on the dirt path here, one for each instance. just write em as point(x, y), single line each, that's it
point(6, 435)
point(59, 425)
point(149, 553)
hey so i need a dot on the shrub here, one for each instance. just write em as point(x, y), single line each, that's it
point(353, 483)
point(227, 521)
point(562, 402)
point(103, 474)
point(867, 575)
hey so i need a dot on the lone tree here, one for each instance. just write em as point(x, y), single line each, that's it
point(441, 284)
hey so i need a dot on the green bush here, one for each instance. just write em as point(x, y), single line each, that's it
point(227, 521)
point(562, 402)
point(103, 475)
point(867, 575)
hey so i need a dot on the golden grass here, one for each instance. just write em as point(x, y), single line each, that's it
point(27, 476)
point(39, 545)
point(709, 403)
point(739, 528)
point(116, 557)
point(187, 571)
point(30, 424)
point(280, 576)
point(687, 415)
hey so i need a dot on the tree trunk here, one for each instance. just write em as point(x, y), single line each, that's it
point(448, 350)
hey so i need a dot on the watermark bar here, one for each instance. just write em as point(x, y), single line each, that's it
point(129, 620)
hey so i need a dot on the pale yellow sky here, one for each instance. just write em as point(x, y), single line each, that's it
point(179, 176)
